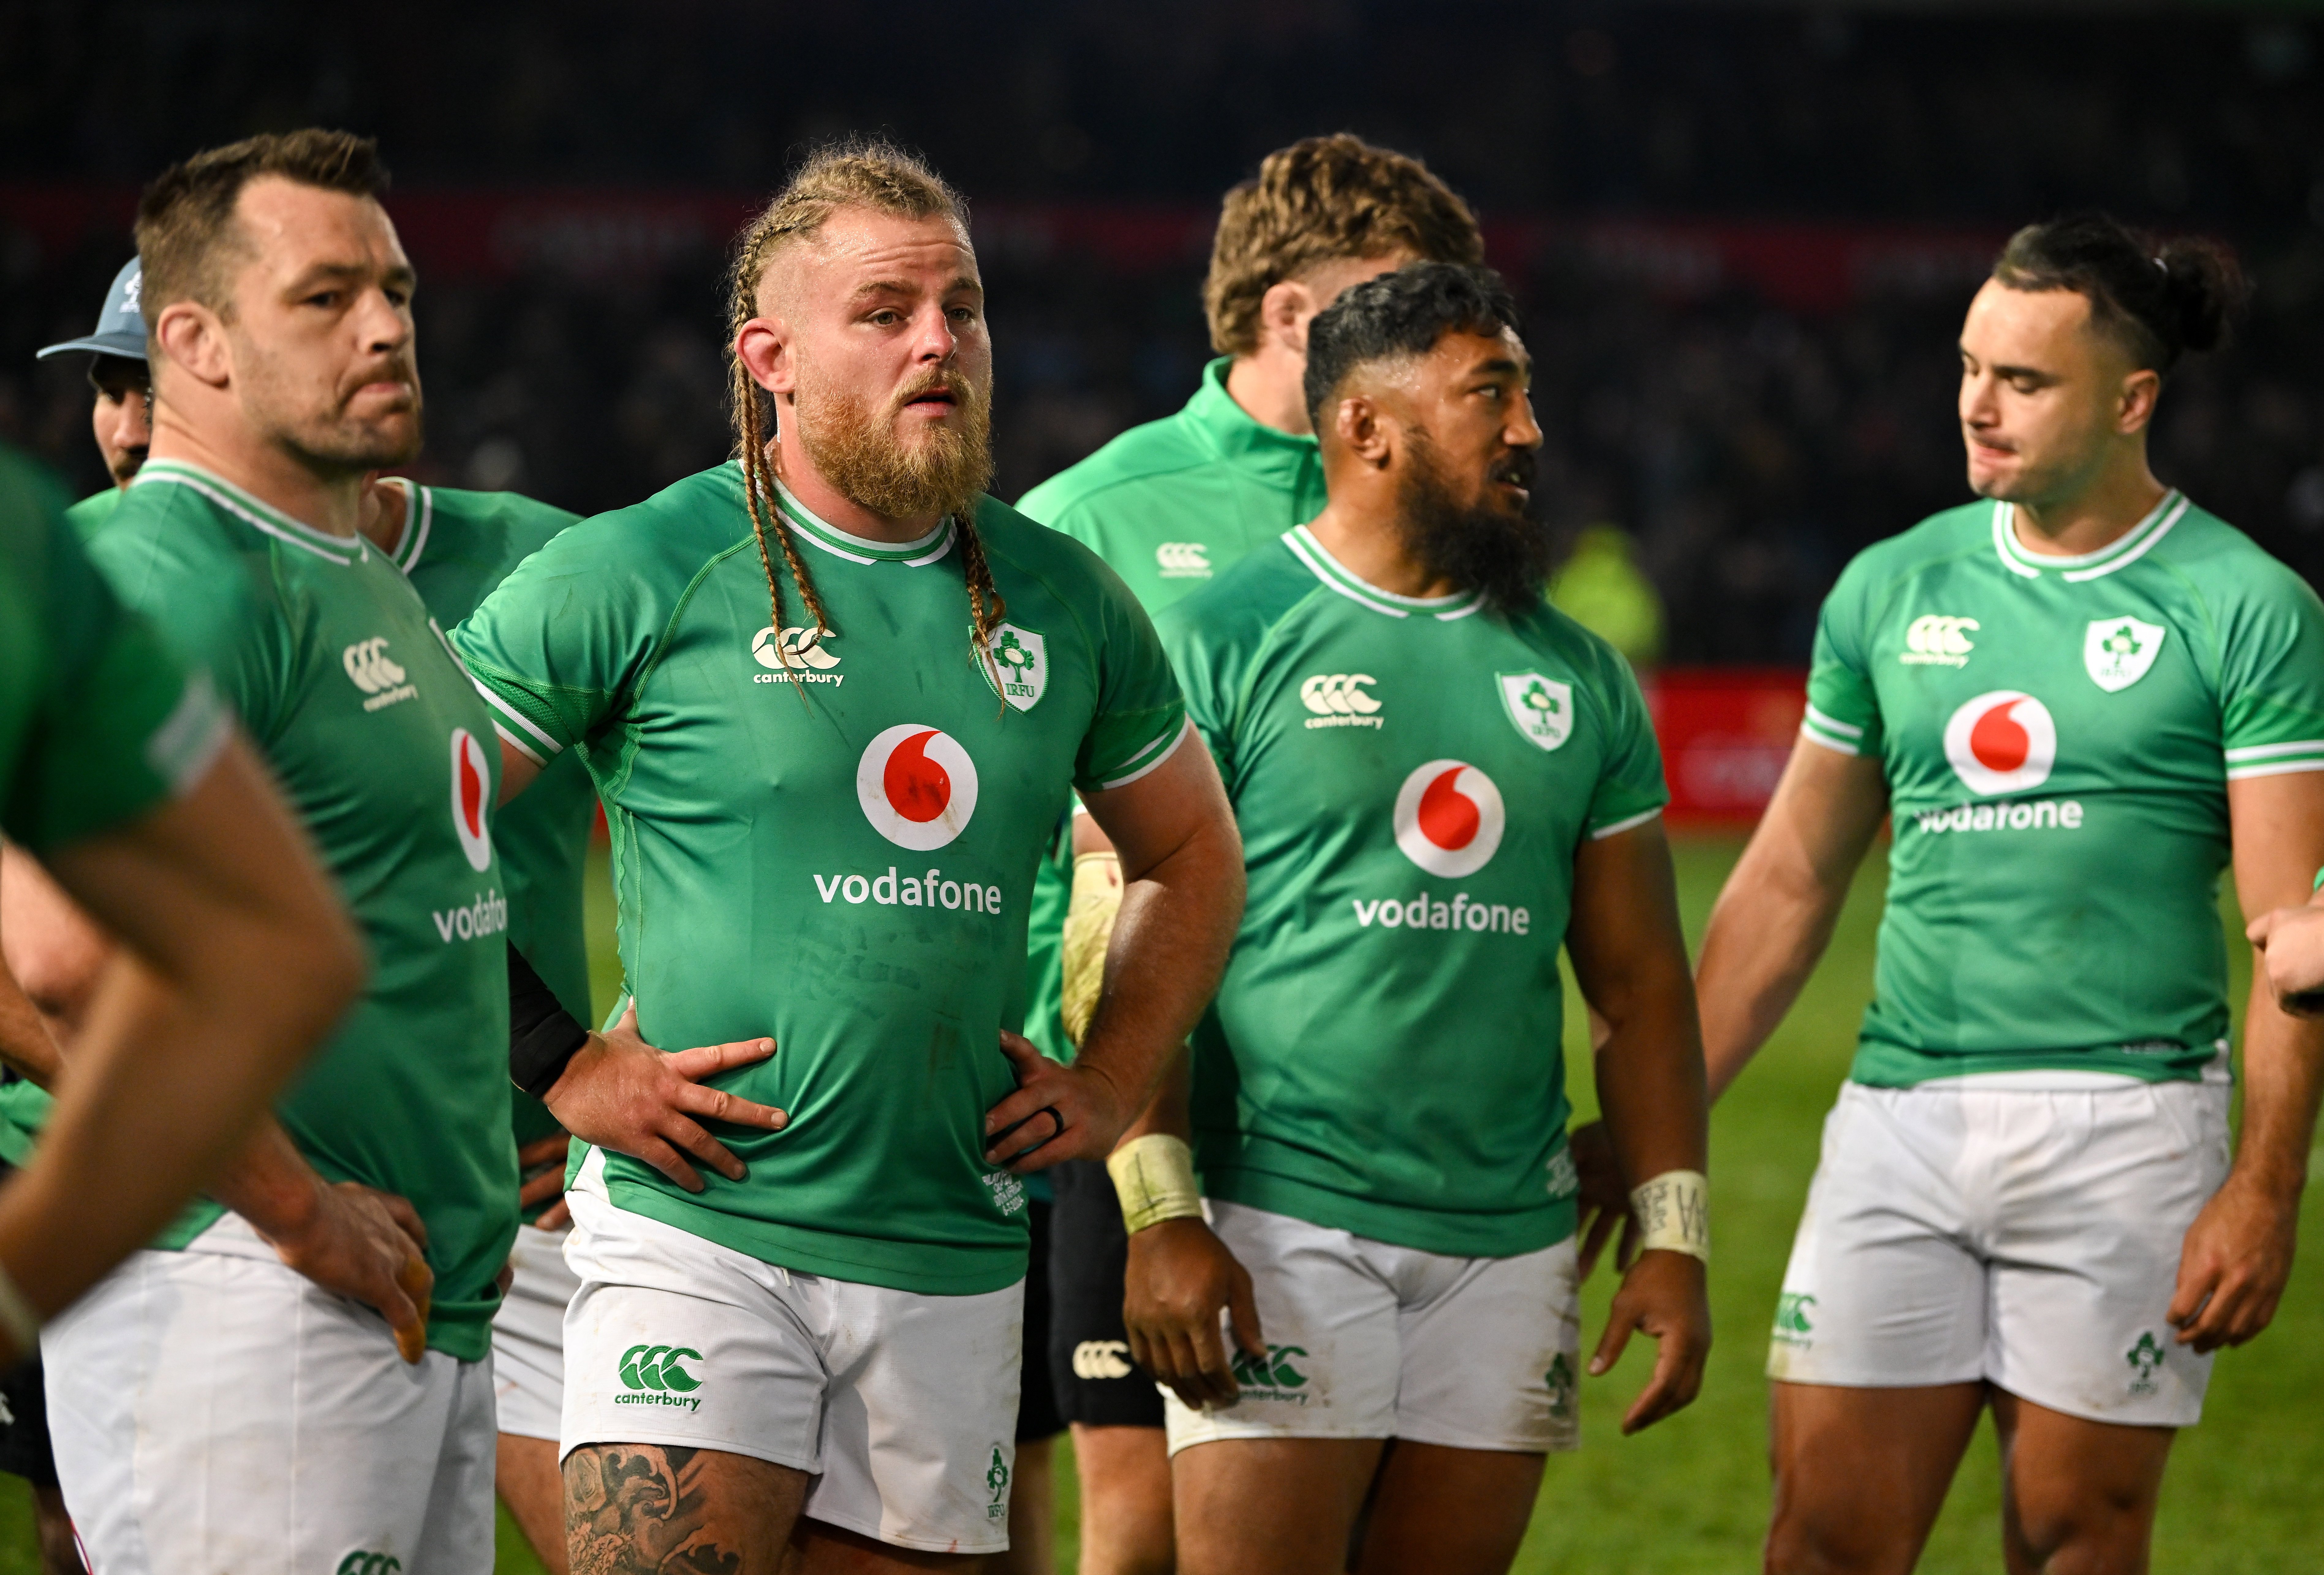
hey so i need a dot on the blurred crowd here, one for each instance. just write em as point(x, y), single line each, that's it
point(1747, 443)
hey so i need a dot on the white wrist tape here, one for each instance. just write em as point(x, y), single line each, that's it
point(1153, 1177)
point(1673, 1212)
point(17, 1320)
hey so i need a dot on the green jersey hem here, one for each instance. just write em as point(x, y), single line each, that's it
point(898, 1265)
point(1451, 1233)
point(1884, 1065)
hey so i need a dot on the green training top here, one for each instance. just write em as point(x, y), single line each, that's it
point(828, 837)
point(1412, 778)
point(2057, 735)
point(455, 546)
point(92, 513)
point(1167, 505)
point(381, 745)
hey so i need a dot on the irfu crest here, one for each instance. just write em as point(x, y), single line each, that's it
point(2118, 651)
point(1541, 708)
point(1019, 667)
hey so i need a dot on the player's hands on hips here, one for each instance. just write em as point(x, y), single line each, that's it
point(2292, 942)
point(1181, 1278)
point(549, 1184)
point(1663, 1296)
point(1605, 1197)
point(370, 1245)
point(619, 1092)
point(2233, 1265)
point(1059, 1112)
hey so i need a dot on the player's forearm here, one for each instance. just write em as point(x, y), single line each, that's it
point(26, 1042)
point(271, 1185)
point(1768, 929)
point(1167, 1114)
point(1650, 1075)
point(2283, 1078)
point(1170, 943)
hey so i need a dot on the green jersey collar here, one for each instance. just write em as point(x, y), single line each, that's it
point(930, 548)
point(1336, 576)
point(251, 510)
point(1232, 431)
point(2120, 553)
point(418, 519)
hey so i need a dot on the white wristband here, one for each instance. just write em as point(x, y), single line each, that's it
point(1153, 1177)
point(1673, 1212)
point(18, 1321)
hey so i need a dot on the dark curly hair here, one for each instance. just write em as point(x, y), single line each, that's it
point(2159, 298)
point(1401, 313)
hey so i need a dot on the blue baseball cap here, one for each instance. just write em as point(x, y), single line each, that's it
point(120, 327)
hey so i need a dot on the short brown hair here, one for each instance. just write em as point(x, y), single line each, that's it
point(185, 218)
point(1320, 200)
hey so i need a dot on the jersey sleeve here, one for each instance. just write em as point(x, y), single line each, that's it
point(1630, 789)
point(2272, 676)
point(178, 579)
point(118, 727)
point(1140, 712)
point(1843, 712)
point(559, 643)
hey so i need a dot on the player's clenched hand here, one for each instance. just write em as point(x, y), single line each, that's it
point(2291, 941)
point(548, 1183)
point(1663, 1297)
point(1605, 1197)
point(1181, 1277)
point(1059, 1112)
point(619, 1092)
point(2233, 1266)
point(368, 1246)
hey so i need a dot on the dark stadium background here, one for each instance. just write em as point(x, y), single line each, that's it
point(1744, 234)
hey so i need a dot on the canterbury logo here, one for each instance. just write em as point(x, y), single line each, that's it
point(1101, 1359)
point(1938, 640)
point(1338, 700)
point(653, 1377)
point(368, 667)
point(1183, 560)
point(360, 1562)
point(794, 656)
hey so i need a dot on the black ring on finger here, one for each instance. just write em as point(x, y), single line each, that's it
point(1051, 1111)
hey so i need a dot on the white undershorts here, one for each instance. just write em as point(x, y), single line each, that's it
point(2028, 1238)
point(217, 1414)
point(529, 1336)
point(1366, 1339)
point(902, 1405)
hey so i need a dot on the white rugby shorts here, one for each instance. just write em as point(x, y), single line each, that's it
point(1366, 1339)
point(529, 1336)
point(903, 1406)
point(212, 1412)
point(2028, 1236)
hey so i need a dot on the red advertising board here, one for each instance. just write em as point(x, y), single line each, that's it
point(1725, 734)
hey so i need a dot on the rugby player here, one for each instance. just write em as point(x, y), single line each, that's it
point(1168, 505)
point(2078, 699)
point(834, 700)
point(1378, 1105)
point(121, 416)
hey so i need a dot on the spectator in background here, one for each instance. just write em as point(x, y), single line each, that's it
point(1602, 588)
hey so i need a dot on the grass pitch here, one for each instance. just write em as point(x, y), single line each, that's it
point(1690, 1495)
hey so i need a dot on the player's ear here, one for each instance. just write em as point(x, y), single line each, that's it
point(1284, 312)
point(764, 347)
point(2135, 407)
point(1360, 423)
point(192, 339)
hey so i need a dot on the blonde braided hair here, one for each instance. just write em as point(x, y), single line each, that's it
point(872, 174)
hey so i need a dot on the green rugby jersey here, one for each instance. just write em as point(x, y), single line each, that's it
point(382, 745)
point(1412, 778)
point(93, 513)
point(2057, 735)
point(837, 852)
point(455, 546)
point(1167, 505)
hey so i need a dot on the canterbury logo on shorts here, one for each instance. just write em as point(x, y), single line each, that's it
point(655, 1375)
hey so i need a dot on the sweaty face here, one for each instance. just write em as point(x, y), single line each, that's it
point(321, 330)
point(121, 419)
point(2042, 394)
point(1466, 469)
point(893, 364)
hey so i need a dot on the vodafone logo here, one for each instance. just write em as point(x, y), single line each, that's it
point(472, 790)
point(917, 787)
point(2002, 742)
point(1449, 818)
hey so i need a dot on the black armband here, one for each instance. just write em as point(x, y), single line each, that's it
point(543, 1036)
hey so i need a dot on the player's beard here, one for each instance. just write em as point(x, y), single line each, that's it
point(334, 440)
point(853, 446)
point(1479, 545)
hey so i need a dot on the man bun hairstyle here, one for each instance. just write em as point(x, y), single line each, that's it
point(1400, 314)
point(853, 173)
point(186, 230)
point(1325, 199)
point(2160, 298)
